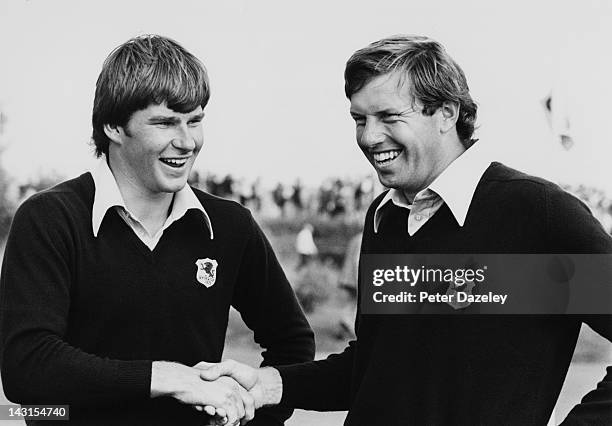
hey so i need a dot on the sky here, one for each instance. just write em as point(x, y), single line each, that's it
point(276, 68)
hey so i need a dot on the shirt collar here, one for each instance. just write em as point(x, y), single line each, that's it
point(107, 195)
point(455, 185)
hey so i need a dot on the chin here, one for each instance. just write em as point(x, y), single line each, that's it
point(172, 186)
point(388, 181)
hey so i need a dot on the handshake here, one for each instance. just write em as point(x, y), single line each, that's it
point(228, 391)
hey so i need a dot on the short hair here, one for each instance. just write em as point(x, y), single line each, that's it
point(434, 76)
point(145, 70)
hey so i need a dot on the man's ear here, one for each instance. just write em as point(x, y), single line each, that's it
point(449, 116)
point(114, 133)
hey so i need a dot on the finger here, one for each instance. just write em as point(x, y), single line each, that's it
point(215, 421)
point(232, 413)
point(219, 421)
point(221, 412)
point(210, 422)
point(238, 402)
point(249, 406)
point(210, 410)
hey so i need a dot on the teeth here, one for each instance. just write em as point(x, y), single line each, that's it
point(387, 155)
point(175, 161)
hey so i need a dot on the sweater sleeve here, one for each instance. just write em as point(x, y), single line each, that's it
point(269, 307)
point(322, 385)
point(38, 365)
point(573, 229)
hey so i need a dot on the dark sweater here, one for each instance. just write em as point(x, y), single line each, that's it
point(82, 318)
point(465, 369)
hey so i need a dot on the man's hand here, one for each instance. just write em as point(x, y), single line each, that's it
point(219, 415)
point(264, 384)
point(228, 399)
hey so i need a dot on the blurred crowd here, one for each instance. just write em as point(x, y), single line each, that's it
point(334, 197)
point(337, 197)
point(597, 200)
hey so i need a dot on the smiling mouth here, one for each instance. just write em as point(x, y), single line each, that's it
point(386, 157)
point(175, 163)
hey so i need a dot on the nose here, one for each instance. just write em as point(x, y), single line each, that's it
point(184, 139)
point(371, 134)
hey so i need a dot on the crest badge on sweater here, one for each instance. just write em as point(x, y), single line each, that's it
point(207, 271)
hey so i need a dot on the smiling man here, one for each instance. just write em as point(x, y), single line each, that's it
point(115, 283)
point(415, 120)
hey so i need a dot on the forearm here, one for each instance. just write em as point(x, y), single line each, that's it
point(267, 397)
point(319, 385)
point(39, 364)
point(46, 370)
point(272, 391)
point(316, 385)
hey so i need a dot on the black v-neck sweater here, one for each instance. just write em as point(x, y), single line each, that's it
point(83, 317)
point(465, 369)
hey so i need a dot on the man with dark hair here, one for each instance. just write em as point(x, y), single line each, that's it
point(116, 282)
point(414, 122)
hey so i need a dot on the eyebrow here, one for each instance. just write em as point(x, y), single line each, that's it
point(386, 111)
point(390, 111)
point(173, 119)
point(164, 118)
point(198, 117)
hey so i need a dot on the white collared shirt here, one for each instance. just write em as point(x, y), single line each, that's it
point(107, 195)
point(455, 186)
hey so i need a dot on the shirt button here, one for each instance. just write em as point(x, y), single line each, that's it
point(418, 217)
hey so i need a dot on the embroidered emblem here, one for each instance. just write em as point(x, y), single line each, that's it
point(207, 271)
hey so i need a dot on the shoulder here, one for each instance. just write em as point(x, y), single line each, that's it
point(568, 224)
point(506, 185)
point(68, 197)
point(54, 215)
point(504, 177)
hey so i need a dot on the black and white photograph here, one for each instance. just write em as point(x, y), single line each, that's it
point(307, 214)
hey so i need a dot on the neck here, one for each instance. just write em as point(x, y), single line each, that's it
point(151, 209)
point(454, 151)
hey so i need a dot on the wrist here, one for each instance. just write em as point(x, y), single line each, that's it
point(272, 386)
point(161, 383)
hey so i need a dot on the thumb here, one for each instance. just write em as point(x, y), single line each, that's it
point(211, 374)
point(209, 371)
point(203, 365)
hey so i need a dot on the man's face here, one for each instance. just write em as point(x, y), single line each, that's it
point(158, 148)
point(404, 145)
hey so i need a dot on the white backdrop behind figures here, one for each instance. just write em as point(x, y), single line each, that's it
point(277, 106)
point(579, 111)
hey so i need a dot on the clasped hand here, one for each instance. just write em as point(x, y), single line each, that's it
point(222, 397)
point(264, 385)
